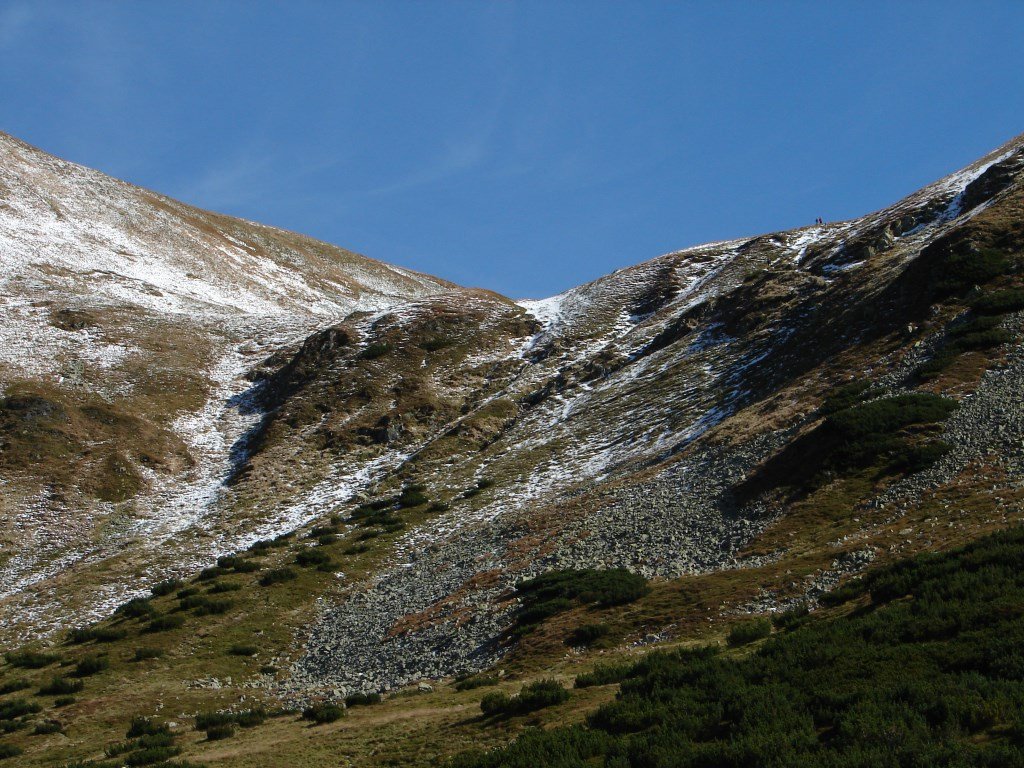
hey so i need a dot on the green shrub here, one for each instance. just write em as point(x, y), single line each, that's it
point(146, 726)
point(558, 591)
point(846, 396)
point(931, 674)
point(974, 325)
point(312, 557)
point(278, 576)
point(144, 654)
point(164, 624)
point(9, 710)
point(193, 601)
point(109, 634)
point(536, 695)
point(373, 351)
point(475, 681)
point(47, 727)
point(268, 669)
point(218, 732)
point(61, 686)
point(958, 270)
point(17, 684)
point(603, 674)
point(246, 718)
point(249, 718)
point(220, 587)
point(138, 607)
point(439, 506)
point(187, 592)
point(30, 659)
point(214, 607)
point(166, 587)
point(356, 549)
point(160, 738)
point(63, 701)
point(362, 699)
point(436, 343)
point(999, 302)
point(209, 574)
point(412, 497)
point(151, 755)
point(749, 631)
point(791, 618)
point(495, 703)
point(323, 713)
point(91, 665)
point(587, 634)
point(325, 540)
point(241, 649)
point(889, 414)
point(9, 750)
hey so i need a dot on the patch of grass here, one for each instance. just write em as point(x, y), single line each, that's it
point(241, 649)
point(956, 270)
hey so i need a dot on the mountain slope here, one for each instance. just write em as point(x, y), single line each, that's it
point(131, 321)
point(743, 423)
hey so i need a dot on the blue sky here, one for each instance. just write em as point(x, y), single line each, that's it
point(524, 147)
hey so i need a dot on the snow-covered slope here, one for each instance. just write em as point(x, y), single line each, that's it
point(119, 297)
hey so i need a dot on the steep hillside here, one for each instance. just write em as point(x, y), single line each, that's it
point(725, 430)
point(130, 323)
